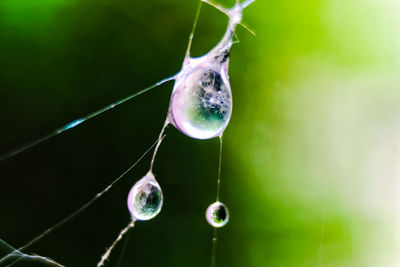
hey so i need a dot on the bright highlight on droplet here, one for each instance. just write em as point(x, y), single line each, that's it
point(217, 214)
point(145, 198)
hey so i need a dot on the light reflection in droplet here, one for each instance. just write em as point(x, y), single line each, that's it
point(217, 214)
point(145, 198)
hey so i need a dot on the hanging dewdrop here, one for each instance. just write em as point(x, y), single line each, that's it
point(217, 214)
point(145, 198)
point(201, 101)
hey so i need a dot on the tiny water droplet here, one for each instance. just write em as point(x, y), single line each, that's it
point(217, 214)
point(145, 198)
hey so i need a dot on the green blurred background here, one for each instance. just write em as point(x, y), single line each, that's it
point(311, 160)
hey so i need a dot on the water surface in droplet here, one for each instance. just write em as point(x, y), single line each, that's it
point(201, 104)
point(217, 214)
point(145, 198)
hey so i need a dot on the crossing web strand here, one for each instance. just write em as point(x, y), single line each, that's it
point(160, 138)
point(196, 18)
point(81, 120)
point(16, 255)
point(120, 236)
point(226, 12)
point(76, 212)
point(122, 254)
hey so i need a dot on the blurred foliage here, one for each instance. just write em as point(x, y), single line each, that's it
point(311, 160)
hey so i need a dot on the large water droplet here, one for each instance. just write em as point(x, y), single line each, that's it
point(217, 214)
point(145, 198)
point(201, 103)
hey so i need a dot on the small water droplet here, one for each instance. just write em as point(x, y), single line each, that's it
point(201, 103)
point(145, 198)
point(217, 214)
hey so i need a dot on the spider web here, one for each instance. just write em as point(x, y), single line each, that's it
point(12, 255)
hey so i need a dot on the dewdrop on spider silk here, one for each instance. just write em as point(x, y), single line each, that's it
point(201, 101)
point(217, 214)
point(145, 198)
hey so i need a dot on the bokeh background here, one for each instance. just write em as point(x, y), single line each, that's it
point(311, 158)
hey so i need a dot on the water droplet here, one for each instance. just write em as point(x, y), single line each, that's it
point(201, 103)
point(217, 214)
point(145, 198)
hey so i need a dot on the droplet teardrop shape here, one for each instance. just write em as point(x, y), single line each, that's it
point(145, 198)
point(217, 214)
point(201, 102)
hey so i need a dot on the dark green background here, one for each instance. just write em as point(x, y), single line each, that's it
point(310, 162)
